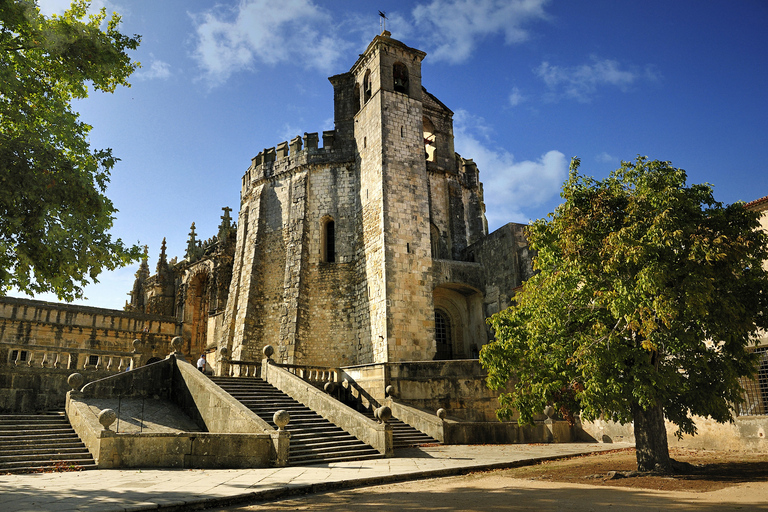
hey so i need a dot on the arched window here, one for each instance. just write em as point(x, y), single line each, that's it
point(434, 235)
point(443, 338)
point(328, 241)
point(429, 139)
point(400, 76)
point(367, 88)
point(356, 99)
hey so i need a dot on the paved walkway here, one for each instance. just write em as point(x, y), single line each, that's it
point(167, 489)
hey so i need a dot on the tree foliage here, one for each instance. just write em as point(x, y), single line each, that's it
point(54, 216)
point(648, 294)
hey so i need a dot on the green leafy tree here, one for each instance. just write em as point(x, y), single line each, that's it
point(54, 216)
point(648, 294)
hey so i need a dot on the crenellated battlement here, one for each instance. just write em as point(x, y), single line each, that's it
point(286, 156)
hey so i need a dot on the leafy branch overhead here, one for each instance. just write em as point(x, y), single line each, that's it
point(647, 296)
point(54, 215)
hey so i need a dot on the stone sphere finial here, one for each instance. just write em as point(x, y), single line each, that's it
point(136, 345)
point(329, 387)
point(177, 343)
point(224, 351)
point(390, 390)
point(384, 414)
point(268, 350)
point(107, 417)
point(441, 413)
point(76, 381)
point(549, 411)
point(281, 419)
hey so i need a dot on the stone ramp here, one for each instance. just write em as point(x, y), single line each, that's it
point(35, 443)
point(314, 439)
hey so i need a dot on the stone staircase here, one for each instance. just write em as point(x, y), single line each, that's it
point(314, 439)
point(406, 436)
point(31, 443)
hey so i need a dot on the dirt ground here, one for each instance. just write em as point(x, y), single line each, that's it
point(718, 481)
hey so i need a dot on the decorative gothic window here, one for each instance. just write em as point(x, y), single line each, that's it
point(18, 356)
point(367, 88)
point(400, 76)
point(328, 249)
point(443, 336)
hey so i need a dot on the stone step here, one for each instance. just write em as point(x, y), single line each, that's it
point(24, 431)
point(406, 436)
point(39, 443)
point(314, 439)
point(10, 440)
point(45, 455)
point(62, 464)
point(52, 447)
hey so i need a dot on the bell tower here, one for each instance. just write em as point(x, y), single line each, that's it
point(394, 199)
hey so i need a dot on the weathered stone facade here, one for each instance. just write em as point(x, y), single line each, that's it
point(194, 290)
point(351, 252)
point(370, 248)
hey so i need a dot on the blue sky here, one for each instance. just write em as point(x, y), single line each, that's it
point(532, 83)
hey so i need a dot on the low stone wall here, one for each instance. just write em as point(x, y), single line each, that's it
point(232, 436)
point(166, 450)
point(25, 390)
point(456, 386)
point(419, 389)
point(746, 433)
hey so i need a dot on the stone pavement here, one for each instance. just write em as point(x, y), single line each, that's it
point(185, 489)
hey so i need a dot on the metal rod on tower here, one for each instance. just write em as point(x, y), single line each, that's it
point(382, 21)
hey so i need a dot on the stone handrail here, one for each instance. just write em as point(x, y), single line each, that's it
point(43, 356)
point(377, 435)
point(243, 368)
point(317, 375)
point(429, 423)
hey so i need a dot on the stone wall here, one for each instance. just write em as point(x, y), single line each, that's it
point(25, 390)
point(32, 322)
point(746, 433)
point(456, 386)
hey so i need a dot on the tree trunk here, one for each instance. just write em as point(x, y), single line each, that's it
point(651, 439)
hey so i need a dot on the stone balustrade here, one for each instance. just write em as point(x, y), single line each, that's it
point(242, 368)
point(41, 356)
point(317, 375)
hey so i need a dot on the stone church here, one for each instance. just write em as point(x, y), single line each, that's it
point(372, 247)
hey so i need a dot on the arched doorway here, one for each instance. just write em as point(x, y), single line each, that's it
point(459, 321)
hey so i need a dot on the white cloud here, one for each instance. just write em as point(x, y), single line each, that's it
point(264, 31)
point(606, 158)
point(581, 82)
point(516, 97)
point(456, 26)
point(156, 70)
point(289, 132)
point(510, 187)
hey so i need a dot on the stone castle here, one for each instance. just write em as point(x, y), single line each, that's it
point(373, 248)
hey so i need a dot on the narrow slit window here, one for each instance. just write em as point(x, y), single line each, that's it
point(329, 241)
point(367, 87)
